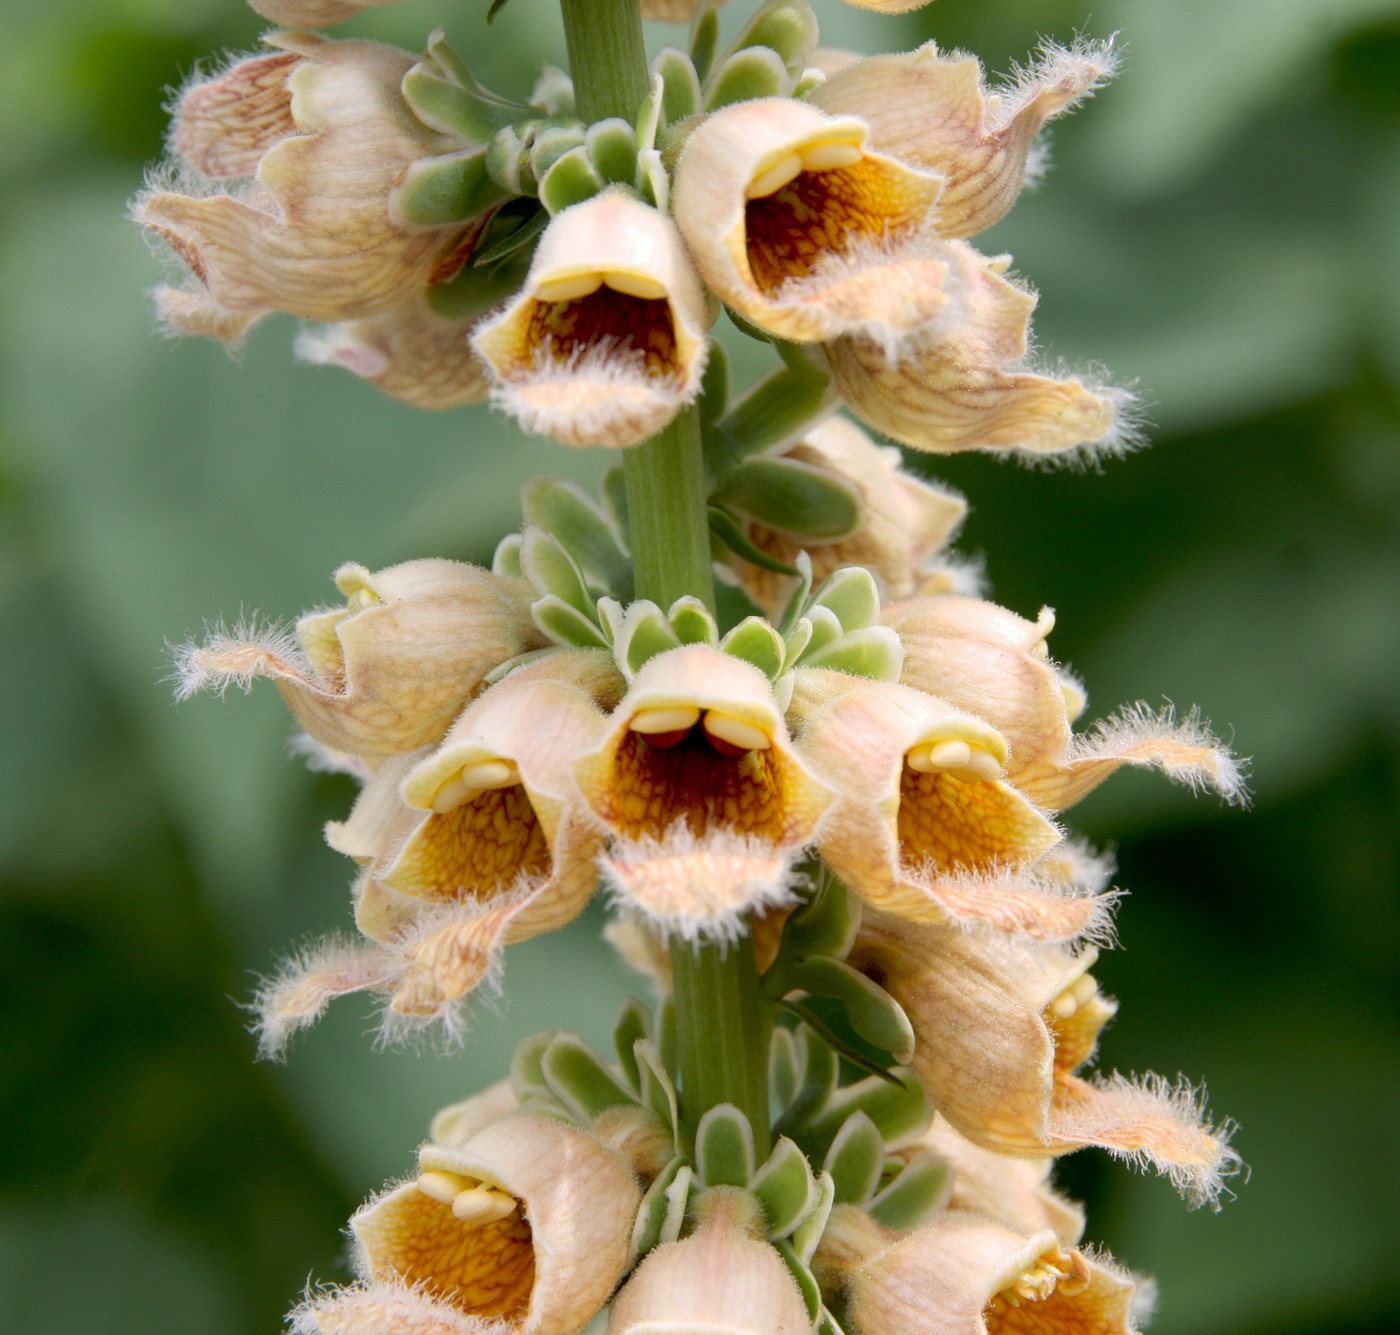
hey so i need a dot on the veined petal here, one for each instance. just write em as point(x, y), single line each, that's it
point(960, 383)
point(312, 233)
point(921, 806)
point(933, 110)
point(224, 125)
point(606, 341)
point(803, 229)
point(965, 1274)
point(904, 519)
point(699, 739)
point(528, 1222)
point(989, 662)
point(192, 310)
point(408, 351)
point(313, 13)
point(386, 672)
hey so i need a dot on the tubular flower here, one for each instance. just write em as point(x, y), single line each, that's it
point(982, 658)
point(1015, 1192)
point(934, 111)
point(528, 1224)
point(965, 1274)
point(409, 351)
point(962, 382)
point(1003, 1027)
point(606, 341)
point(698, 745)
point(324, 133)
point(719, 1279)
point(905, 520)
point(924, 826)
point(805, 230)
point(387, 672)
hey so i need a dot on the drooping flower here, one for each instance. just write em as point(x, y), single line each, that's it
point(524, 1227)
point(311, 142)
point(606, 341)
point(1003, 1027)
point(389, 670)
point(989, 661)
point(925, 825)
point(806, 230)
point(905, 520)
point(966, 1274)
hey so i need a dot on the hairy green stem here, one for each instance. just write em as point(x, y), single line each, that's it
point(723, 1021)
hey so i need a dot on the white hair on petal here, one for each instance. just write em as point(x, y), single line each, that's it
point(321, 759)
point(1127, 428)
point(1077, 862)
point(304, 985)
point(1081, 69)
point(700, 887)
point(1185, 749)
point(1186, 1148)
point(395, 1304)
point(235, 657)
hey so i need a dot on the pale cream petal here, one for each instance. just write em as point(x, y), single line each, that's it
point(965, 1274)
point(640, 783)
point(719, 1279)
point(960, 383)
point(194, 311)
point(313, 13)
point(606, 341)
point(372, 1309)
point(408, 351)
point(545, 1267)
point(388, 671)
point(313, 234)
point(933, 110)
point(459, 1121)
point(805, 231)
point(989, 662)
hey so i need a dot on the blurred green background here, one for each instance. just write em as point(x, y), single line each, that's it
point(1220, 227)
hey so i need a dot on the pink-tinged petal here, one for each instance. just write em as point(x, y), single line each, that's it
point(372, 1309)
point(224, 125)
point(313, 13)
point(934, 111)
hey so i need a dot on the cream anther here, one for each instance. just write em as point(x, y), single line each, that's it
point(827, 157)
point(444, 1187)
point(1037, 1282)
point(570, 288)
point(737, 732)
point(677, 718)
point(983, 765)
point(472, 779)
point(636, 285)
point(1079, 993)
point(482, 1205)
point(774, 178)
point(362, 598)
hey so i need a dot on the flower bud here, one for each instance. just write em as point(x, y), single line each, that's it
point(606, 341)
point(720, 1280)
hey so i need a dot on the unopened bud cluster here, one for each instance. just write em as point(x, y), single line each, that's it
point(860, 776)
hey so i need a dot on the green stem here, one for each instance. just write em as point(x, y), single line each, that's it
point(723, 1026)
point(723, 1022)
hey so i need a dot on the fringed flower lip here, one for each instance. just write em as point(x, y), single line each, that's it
point(700, 887)
point(905, 518)
point(323, 132)
point(606, 342)
point(1003, 1027)
point(924, 825)
point(981, 657)
point(966, 1274)
point(933, 110)
point(699, 741)
point(386, 672)
point(805, 230)
point(527, 1223)
point(963, 382)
